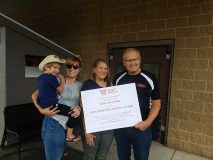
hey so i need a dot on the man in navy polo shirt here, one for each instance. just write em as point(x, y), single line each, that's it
point(139, 136)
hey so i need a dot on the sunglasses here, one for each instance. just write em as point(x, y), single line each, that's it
point(72, 66)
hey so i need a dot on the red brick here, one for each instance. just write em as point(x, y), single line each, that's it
point(200, 20)
point(122, 29)
point(177, 3)
point(153, 25)
point(142, 8)
point(128, 37)
point(176, 22)
point(148, 35)
point(196, 1)
point(187, 32)
point(157, 5)
point(130, 19)
point(189, 10)
point(207, 8)
point(206, 30)
point(138, 27)
point(149, 16)
point(167, 13)
point(108, 30)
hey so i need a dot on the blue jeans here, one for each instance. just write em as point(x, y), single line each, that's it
point(140, 140)
point(101, 147)
point(53, 135)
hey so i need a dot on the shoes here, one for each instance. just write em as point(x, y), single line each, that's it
point(73, 139)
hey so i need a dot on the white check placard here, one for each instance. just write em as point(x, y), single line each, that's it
point(110, 108)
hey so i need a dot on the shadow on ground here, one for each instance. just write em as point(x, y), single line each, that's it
point(34, 150)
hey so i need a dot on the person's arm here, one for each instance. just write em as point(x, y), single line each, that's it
point(49, 111)
point(75, 112)
point(34, 98)
point(60, 88)
point(154, 111)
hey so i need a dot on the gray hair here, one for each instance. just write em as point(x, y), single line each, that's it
point(129, 50)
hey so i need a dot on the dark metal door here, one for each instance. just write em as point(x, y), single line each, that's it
point(155, 59)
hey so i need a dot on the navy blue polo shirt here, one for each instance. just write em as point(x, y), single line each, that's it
point(146, 85)
point(47, 89)
point(91, 84)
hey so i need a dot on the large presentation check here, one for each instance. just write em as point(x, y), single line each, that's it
point(110, 108)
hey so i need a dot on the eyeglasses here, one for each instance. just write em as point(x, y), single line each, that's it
point(72, 66)
point(131, 60)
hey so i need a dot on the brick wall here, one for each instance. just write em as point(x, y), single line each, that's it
point(85, 27)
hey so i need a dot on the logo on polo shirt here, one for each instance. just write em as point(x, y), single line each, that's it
point(140, 85)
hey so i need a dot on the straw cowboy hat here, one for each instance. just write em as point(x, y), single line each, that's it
point(50, 59)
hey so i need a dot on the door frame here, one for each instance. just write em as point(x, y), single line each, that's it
point(170, 43)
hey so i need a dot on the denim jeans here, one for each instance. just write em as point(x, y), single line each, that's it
point(140, 140)
point(53, 135)
point(101, 148)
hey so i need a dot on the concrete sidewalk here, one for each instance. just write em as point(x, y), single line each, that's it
point(160, 152)
point(157, 152)
point(34, 150)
